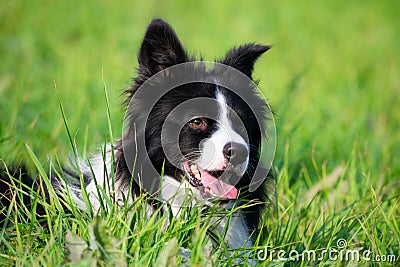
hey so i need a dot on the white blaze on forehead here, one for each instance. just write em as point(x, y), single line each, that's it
point(212, 157)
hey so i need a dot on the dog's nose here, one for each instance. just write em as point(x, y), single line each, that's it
point(235, 153)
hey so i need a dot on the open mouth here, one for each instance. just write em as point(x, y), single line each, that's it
point(208, 183)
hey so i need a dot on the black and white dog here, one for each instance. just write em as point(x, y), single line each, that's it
point(172, 146)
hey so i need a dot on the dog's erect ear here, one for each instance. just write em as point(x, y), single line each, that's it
point(243, 57)
point(160, 49)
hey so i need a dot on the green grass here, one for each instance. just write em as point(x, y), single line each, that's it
point(332, 78)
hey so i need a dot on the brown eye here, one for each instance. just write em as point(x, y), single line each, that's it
point(198, 123)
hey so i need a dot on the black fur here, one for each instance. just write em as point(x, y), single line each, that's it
point(19, 187)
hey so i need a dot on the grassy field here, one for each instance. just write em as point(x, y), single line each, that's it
point(332, 77)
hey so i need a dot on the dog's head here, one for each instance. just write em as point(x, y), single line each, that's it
point(199, 132)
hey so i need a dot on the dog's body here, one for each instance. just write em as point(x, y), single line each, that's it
point(219, 140)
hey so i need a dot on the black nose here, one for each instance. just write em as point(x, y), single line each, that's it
point(235, 153)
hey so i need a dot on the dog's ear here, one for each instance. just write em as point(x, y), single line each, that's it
point(243, 57)
point(160, 49)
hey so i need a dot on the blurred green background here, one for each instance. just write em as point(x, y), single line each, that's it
point(332, 76)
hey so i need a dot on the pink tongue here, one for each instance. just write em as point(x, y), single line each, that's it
point(218, 187)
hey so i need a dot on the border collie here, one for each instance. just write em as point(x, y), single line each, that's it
point(190, 127)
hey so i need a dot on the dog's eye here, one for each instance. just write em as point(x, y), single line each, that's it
point(198, 123)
